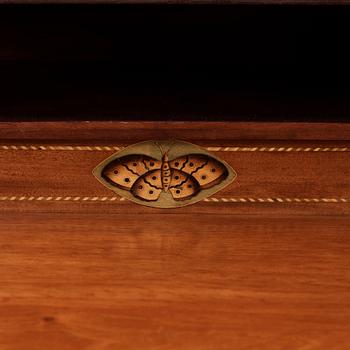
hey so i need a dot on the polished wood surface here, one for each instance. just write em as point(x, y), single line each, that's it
point(181, 281)
point(198, 131)
point(83, 269)
point(265, 264)
point(282, 168)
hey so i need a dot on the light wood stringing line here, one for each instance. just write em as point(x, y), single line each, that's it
point(212, 199)
point(211, 149)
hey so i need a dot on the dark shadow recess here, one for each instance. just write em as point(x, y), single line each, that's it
point(178, 62)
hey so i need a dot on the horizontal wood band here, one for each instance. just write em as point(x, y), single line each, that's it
point(205, 133)
point(269, 182)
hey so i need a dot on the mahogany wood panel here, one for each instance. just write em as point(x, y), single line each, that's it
point(168, 281)
point(256, 272)
point(48, 166)
point(132, 131)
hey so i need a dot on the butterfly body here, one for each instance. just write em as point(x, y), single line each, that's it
point(166, 172)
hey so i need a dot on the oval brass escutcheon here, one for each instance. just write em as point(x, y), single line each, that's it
point(164, 174)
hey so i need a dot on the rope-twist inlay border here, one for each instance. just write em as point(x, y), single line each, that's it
point(211, 149)
point(211, 199)
point(80, 199)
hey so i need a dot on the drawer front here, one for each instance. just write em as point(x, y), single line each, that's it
point(281, 169)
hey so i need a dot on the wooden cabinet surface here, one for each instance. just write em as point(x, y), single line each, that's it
point(262, 87)
point(264, 264)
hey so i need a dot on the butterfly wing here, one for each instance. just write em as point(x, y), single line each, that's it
point(124, 172)
point(141, 175)
point(183, 186)
point(149, 186)
point(206, 170)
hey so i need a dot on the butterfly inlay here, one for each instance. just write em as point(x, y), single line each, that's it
point(182, 177)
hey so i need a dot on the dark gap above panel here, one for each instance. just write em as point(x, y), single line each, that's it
point(254, 63)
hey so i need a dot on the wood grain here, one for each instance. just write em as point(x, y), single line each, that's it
point(103, 275)
point(270, 182)
point(133, 131)
point(173, 282)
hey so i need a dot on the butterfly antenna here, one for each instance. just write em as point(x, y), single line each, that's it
point(170, 144)
point(160, 148)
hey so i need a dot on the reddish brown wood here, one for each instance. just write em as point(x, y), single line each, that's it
point(306, 177)
point(215, 275)
point(173, 281)
point(209, 132)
